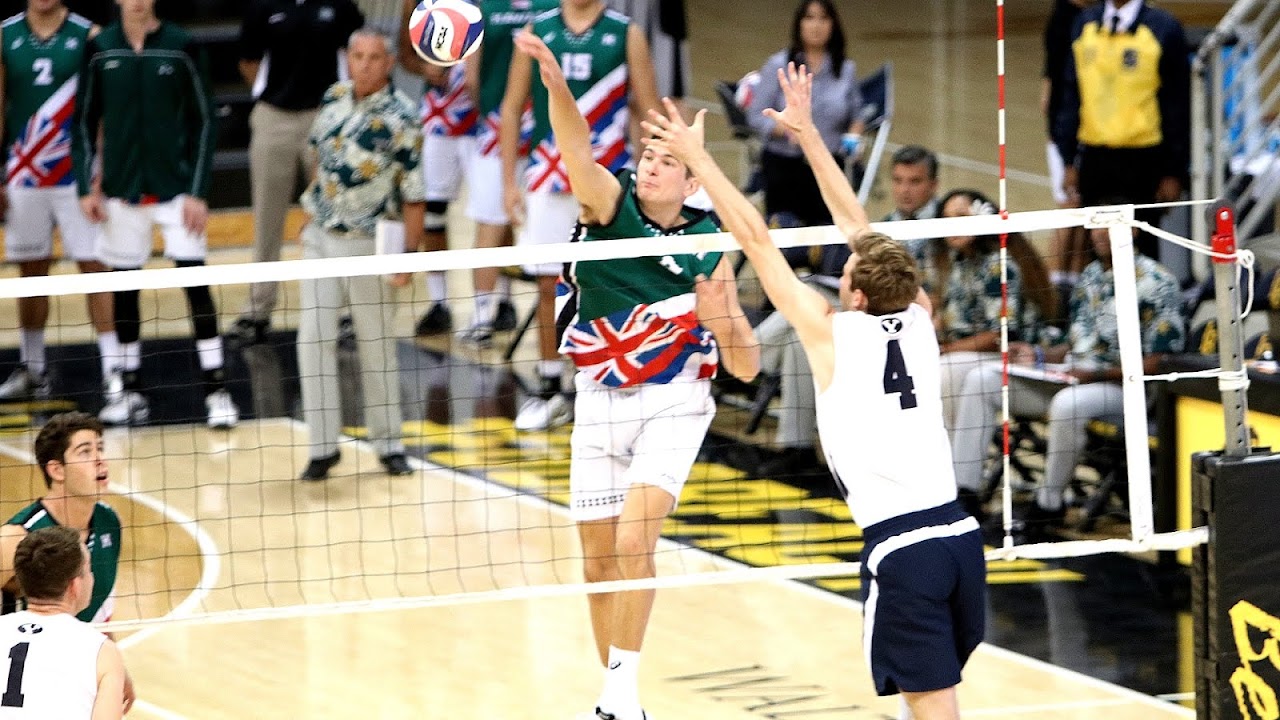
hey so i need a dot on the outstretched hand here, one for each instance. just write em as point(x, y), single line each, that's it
point(671, 133)
point(797, 88)
point(548, 68)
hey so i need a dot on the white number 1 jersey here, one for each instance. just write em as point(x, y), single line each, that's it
point(52, 663)
point(880, 420)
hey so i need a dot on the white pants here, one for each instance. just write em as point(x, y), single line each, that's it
point(649, 435)
point(446, 162)
point(125, 241)
point(33, 212)
point(550, 218)
point(372, 309)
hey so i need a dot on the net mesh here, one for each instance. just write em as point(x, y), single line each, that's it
point(218, 527)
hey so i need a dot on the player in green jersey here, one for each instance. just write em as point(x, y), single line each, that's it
point(41, 51)
point(643, 406)
point(69, 451)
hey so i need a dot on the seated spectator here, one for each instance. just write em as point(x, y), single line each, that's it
point(962, 277)
point(817, 40)
point(1093, 353)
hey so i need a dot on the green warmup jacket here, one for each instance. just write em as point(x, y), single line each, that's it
point(156, 114)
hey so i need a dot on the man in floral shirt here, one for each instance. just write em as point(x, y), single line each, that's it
point(368, 148)
point(1093, 354)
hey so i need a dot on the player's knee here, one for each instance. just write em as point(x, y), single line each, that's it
point(437, 216)
point(600, 569)
point(635, 552)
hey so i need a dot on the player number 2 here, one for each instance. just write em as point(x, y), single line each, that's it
point(896, 379)
point(12, 696)
point(43, 68)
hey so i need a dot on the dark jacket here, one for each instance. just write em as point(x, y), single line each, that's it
point(156, 114)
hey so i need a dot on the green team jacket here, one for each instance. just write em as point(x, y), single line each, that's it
point(156, 114)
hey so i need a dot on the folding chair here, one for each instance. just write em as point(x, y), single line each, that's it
point(877, 118)
point(747, 142)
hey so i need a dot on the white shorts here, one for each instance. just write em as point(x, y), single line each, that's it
point(33, 212)
point(549, 218)
point(1057, 172)
point(485, 196)
point(125, 241)
point(445, 162)
point(649, 435)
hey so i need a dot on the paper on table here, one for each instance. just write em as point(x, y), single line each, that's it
point(1054, 373)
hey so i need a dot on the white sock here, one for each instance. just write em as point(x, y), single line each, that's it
point(435, 286)
point(210, 353)
point(621, 694)
point(130, 356)
point(486, 308)
point(33, 350)
point(550, 368)
point(109, 352)
point(1049, 499)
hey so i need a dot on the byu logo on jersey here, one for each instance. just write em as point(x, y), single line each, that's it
point(30, 628)
point(891, 325)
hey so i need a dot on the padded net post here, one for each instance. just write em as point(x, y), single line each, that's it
point(1235, 599)
point(1232, 384)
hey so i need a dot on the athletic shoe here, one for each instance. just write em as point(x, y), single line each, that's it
point(436, 321)
point(248, 331)
point(318, 468)
point(538, 414)
point(346, 334)
point(396, 464)
point(505, 318)
point(223, 413)
point(479, 335)
point(25, 385)
point(124, 407)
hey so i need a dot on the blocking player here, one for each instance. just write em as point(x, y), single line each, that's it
point(65, 669)
point(42, 50)
point(876, 369)
point(646, 335)
point(608, 70)
point(69, 451)
point(145, 88)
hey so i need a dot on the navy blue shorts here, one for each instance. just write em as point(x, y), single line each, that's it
point(924, 594)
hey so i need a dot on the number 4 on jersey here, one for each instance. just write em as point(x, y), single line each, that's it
point(896, 379)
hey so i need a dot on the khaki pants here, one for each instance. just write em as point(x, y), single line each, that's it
point(372, 307)
point(278, 152)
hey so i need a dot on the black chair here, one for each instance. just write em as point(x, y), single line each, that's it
point(744, 135)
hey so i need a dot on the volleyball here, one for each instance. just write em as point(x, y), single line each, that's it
point(445, 32)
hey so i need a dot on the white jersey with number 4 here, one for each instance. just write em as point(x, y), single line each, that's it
point(51, 666)
point(880, 420)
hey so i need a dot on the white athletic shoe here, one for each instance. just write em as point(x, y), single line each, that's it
point(124, 407)
point(24, 385)
point(223, 413)
point(537, 414)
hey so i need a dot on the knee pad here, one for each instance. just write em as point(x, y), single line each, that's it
point(127, 316)
point(204, 315)
point(437, 216)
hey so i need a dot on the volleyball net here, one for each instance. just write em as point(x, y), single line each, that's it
point(218, 527)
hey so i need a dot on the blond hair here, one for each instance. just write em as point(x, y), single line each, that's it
point(885, 273)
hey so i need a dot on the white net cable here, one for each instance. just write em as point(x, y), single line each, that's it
point(362, 547)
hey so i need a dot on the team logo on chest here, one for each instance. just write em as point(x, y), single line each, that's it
point(891, 325)
point(72, 44)
point(106, 541)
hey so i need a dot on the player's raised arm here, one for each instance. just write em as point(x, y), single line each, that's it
point(801, 305)
point(519, 76)
point(596, 189)
point(797, 116)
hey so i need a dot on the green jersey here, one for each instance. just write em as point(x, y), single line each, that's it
point(595, 65)
point(635, 320)
point(104, 555)
point(40, 80)
point(502, 20)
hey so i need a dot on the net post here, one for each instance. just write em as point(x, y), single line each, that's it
point(1118, 221)
point(1235, 403)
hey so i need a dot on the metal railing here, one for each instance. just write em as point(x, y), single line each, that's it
point(1235, 116)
